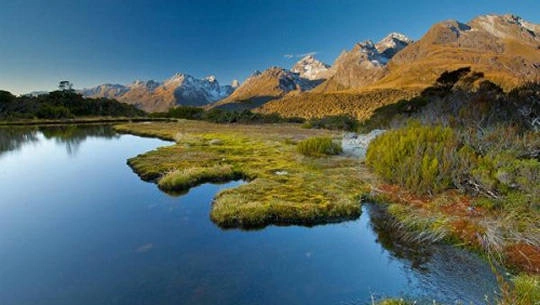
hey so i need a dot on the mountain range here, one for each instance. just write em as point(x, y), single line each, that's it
point(180, 89)
point(505, 48)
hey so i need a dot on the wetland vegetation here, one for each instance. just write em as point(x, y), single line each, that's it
point(284, 186)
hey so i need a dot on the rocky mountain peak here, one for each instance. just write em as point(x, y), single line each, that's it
point(210, 78)
point(310, 68)
point(392, 43)
point(507, 27)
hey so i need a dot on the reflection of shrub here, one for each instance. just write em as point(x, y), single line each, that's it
point(318, 147)
point(335, 122)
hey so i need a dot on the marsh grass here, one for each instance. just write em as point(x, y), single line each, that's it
point(319, 147)
point(284, 187)
point(526, 290)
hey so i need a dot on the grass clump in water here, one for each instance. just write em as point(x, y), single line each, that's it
point(319, 147)
point(181, 179)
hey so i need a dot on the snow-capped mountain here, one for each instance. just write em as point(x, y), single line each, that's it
point(311, 68)
point(106, 90)
point(365, 63)
point(391, 44)
point(180, 89)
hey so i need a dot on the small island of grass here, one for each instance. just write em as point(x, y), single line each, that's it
point(284, 186)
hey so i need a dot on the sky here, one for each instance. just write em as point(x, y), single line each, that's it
point(119, 41)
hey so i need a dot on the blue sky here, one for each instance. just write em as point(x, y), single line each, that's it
point(93, 42)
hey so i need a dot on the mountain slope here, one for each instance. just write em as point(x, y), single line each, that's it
point(180, 89)
point(364, 64)
point(262, 87)
point(319, 104)
point(505, 48)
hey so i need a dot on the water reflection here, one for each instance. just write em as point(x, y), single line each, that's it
point(115, 239)
point(443, 272)
point(14, 138)
point(73, 135)
point(392, 237)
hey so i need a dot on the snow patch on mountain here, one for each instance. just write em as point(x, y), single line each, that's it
point(310, 68)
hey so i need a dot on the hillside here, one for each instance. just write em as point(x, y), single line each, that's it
point(364, 64)
point(262, 87)
point(316, 104)
point(505, 48)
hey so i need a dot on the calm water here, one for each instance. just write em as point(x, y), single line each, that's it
point(77, 226)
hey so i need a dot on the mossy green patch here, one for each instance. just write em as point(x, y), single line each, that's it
point(284, 187)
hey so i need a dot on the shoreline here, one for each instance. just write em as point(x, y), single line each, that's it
point(86, 120)
point(282, 187)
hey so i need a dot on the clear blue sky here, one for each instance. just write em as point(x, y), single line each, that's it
point(93, 42)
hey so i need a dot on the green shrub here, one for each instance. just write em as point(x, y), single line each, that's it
point(318, 147)
point(53, 112)
point(335, 122)
point(420, 158)
point(62, 104)
point(183, 112)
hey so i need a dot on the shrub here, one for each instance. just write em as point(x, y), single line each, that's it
point(420, 158)
point(335, 122)
point(318, 147)
point(183, 112)
point(53, 112)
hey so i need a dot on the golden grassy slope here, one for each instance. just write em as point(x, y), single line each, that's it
point(257, 90)
point(314, 105)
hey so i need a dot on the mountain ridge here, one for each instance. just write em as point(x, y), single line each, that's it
point(179, 89)
point(504, 48)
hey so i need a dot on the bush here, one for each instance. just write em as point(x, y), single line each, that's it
point(53, 112)
point(420, 158)
point(336, 122)
point(183, 112)
point(318, 147)
point(221, 116)
point(62, 104)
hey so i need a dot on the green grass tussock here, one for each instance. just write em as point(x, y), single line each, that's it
point(525, 291)
point(319, 147)
point(182, 179)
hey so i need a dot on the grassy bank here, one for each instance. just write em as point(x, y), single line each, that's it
point(284, 187)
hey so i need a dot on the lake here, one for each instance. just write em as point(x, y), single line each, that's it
point(77, 226)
